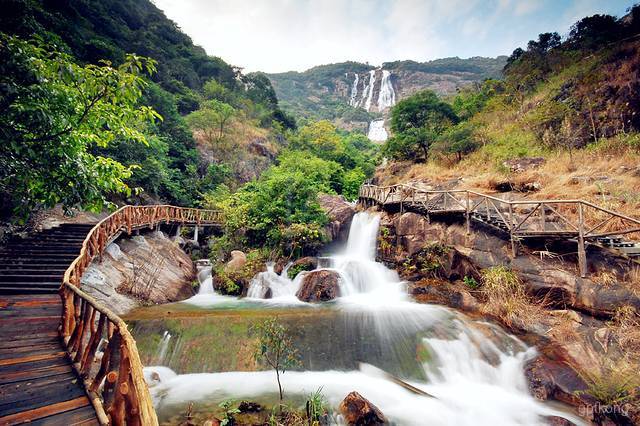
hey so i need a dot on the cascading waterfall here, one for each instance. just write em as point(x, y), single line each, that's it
point(162, 347)
point(353, 100)
point(387, 96)
point(369, 90)
point(377, 132)
point(474, 370)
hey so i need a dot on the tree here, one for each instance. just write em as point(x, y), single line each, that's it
point(458, 140)
point(416, 123)
point(56, 113)
point(275, 348)
point(211, 120)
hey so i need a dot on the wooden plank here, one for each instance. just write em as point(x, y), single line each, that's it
point(83, 416)
point(33, 374)
point(45, 411)
point(48, 395)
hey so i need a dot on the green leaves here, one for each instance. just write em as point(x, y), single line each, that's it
point(57, 114)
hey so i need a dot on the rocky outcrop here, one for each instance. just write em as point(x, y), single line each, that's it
point(307, 263)
point(444, 293)
point(145, 269)
point(545, 277)
point(357, 410)
point(340, 214)
point(237, 262)
point(319, 286)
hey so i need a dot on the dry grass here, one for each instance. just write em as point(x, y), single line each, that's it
point(611, 383)
point(506, 298)
point(625, 326)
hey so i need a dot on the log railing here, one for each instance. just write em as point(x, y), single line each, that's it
point(98, 342)
point(571, 219)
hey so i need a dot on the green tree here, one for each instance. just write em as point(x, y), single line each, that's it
point(275, 348)
point(55, 113)
point(417, 122)
point(211, 120)
point(458, 140)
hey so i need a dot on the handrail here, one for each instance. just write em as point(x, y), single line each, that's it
point(571, 218)
point(103, 352)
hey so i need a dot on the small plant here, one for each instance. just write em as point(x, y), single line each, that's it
point(429, 261)
point(611, 385)
point(471, 282)
point(275, 348)
point(227, 413)
point(316, 407)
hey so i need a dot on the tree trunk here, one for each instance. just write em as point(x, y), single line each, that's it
point(279, 385)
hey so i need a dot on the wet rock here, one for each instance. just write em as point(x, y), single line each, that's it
point(340, 214)
point(319, 286)
point(357, 410)
point(237, 262)
point(308, 263)
point(519, 165)
point(549, 379)
point(249, 407)
point(444, 293)
point(558, 421)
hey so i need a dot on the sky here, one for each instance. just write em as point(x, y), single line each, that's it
point(294, 35)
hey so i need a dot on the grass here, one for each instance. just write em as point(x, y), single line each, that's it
point(611, 384)
point(506, 298)
point(625, 326)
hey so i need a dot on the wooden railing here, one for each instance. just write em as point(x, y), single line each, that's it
point(98, 342)
point(571, 219)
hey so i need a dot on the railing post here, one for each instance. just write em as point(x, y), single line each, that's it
point(468, 214)
point(582, 254)
point(514, 248)
point(543, 217)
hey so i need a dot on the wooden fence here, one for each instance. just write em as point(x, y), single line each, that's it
point(566, 219)
point(103, 351)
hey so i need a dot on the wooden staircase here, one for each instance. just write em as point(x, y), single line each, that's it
point(37, 382)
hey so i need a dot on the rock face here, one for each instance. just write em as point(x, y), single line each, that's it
point(519, 165)
point(237, 262)
point(340, 214)
point(551, 278)
point(140, 270)
point(307, 263)
point(319, 286)
point(357, 410)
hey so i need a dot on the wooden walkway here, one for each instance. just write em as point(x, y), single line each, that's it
point(37, 382)
point(575, 221)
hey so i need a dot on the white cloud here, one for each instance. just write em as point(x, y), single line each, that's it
point(282, 35)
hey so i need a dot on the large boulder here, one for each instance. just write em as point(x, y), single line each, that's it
point(319, 286)
point(340, 214)
point(357, 410)
point(237, 262)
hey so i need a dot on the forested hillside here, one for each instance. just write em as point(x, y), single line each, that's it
point(325, 91)
point(180, 79)
point(569, 102)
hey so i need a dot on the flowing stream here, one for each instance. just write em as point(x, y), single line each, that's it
point(473, 369)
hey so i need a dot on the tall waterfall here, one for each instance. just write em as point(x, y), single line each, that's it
point(353, 100)
point(387, 96)
point(369, 90)
point(377, 132)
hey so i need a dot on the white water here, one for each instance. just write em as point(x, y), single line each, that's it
point(387, 96)
point(162, 347)
point(353, 100)
point(369, 90)
point(377, 132)
point(474, 370)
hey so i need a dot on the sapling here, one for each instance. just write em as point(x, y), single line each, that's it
point(275, 348)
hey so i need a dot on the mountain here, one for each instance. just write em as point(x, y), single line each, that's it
point(353, 94)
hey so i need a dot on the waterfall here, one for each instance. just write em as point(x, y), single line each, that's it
point(387, 96)
point(206, 281)
point(369, 90)
point(353, 100)
point(473, 370)
point(162, 348)
point(377, 132)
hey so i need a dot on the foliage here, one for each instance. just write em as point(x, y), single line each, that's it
point(228, 412)
point(275, 348)
point(611, 384)
point(56, 113)
point(210, 120)
point(471, 282)
point(316, 407)
point(458, 140)
point(429, 261)
point(417, 122)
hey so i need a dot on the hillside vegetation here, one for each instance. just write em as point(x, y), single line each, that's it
point(60, 147)
point(573, 102)
point(323, 92)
